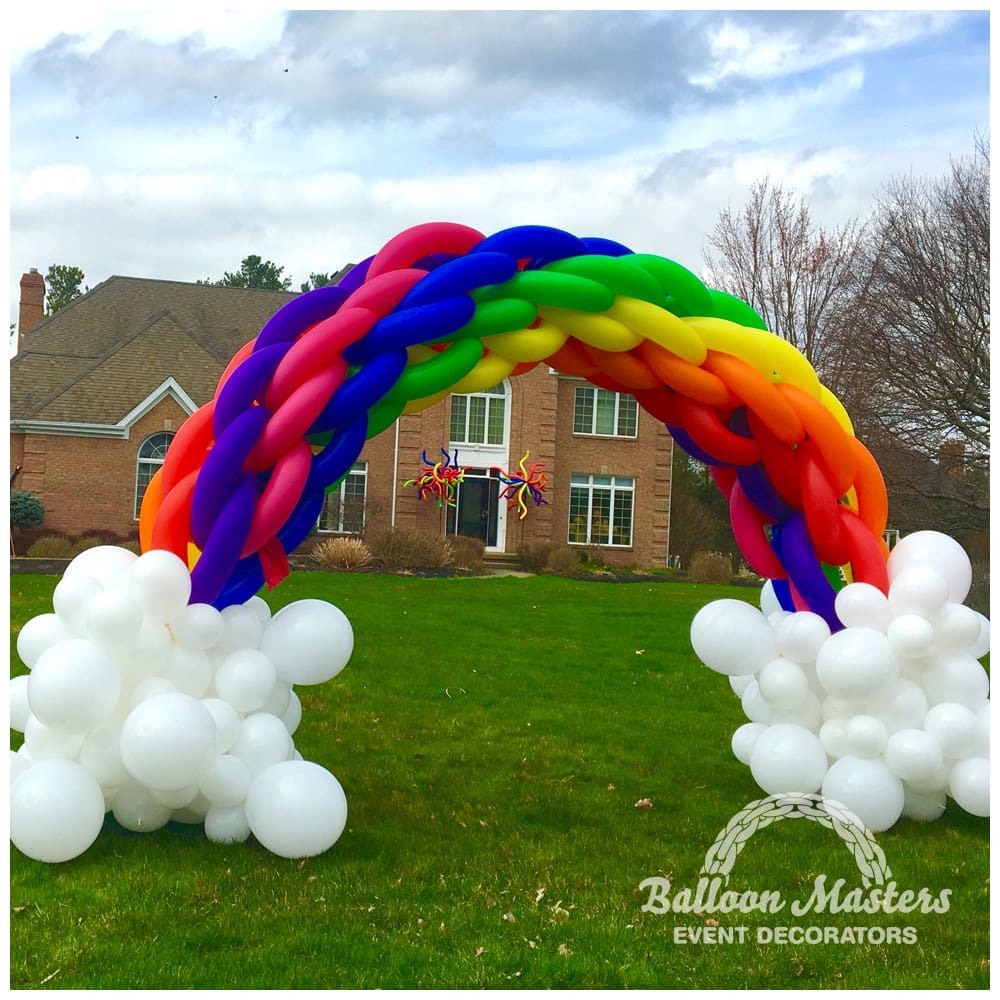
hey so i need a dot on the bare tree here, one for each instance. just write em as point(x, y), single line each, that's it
point(796, 275)
point(917, 339)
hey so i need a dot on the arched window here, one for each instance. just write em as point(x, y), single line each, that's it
point(152, 451)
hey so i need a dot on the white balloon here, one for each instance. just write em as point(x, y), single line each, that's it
point(807, 713)
point(18, 765)
point(107, 564)
point(919, 590)
point(227, 722)
point(225, 781)
point(925, 807)
point(198, 627)
point(868, 788)
point(731, 637)
point(227, 824)
point(860, 605)
point(134, 807)
point(44, 743)
point(39, 634)
point(788, 758)
point(74, 686)
point(241, 629)
point(866, 736)
point(958, 628)
point(954, 727)
point(913, 754)
point(755, 706)
point(310, 641)
point(957, 677)
point(935, 782)
point(292, 715)
point(72, 597)
point(740, 682)
point(149, 688)
point(245, 678)
point(18, 701)
point(833, 737)
point(278, 698)
point(769, 603)
point(856, 662)
point(151, 652)
point(262, 741)
point(801, 636)
point(179, 798)
point(190, 671)
point(970, 785)
point(940, 553)
point(783, 683)
point(162, 585)
point(982, 645)
point(296, 809)
point(911, 635)
point(744, 739)
point(101, 755)
point(900, 705)
point(113, 619)
point(835, 707)
point(982, 741)
point(56, 811)
point(167, 740)
point(260, 608)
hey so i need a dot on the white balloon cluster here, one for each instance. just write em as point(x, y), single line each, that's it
point(154, 709)
point(889, 715)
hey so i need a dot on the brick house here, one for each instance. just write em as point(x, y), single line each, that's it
point(98, 390)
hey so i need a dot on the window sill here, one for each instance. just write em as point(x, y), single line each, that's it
point(607, 437)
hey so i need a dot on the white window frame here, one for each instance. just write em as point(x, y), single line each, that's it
point(151, 464)
point(618, 486)
point(593, 392)
point(339, 496)
point(498, 395)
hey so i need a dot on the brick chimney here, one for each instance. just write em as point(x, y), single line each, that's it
point(951, 458)
point(32, 305)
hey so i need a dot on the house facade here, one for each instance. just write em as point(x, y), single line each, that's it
point(99, 389)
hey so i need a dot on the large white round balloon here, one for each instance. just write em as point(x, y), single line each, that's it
point(262, 740)
point(39, 634)
point(913, 754)
point(74, 686)
point(296, 809)
point(162, 585)
point(309, 641)
point(732, 637)
point(860, 605)
point(970, 785)
point(954, 727)
point(167, 740)
point(938, 552)
point(957, 677)
point(107, 564)
point(56, 811)
point(788, 758)
point(856, 662)
point(868, 788)
point(801, 636)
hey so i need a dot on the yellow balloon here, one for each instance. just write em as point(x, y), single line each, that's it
point(595, 329)
point(489, 370)
point(528, 345)
point(660, 326)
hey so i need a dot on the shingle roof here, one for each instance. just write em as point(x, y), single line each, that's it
point(94, 360)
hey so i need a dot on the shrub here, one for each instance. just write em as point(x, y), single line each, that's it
point(85, 542)
point(534, 554)
point(710, 567)
point(341, 553)
point(467, 553)
point(562, 560)
point(25, 510)
point(52, 547)
point(400, 548)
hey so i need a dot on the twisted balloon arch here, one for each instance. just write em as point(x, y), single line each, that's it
point(443, 309)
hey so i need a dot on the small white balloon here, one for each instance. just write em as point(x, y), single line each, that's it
point(241, 629)
point(72, 597)
point(190, 671)
point(101, 755)
point(801, 636)
point(744, 739)
point(227, 722)
point(311, 641)
point(18, 765)
point(783, 683)
point(860, 605)
point(292, 715)
point(225, 781)
point(957, 677)
point(113, 619)
point(954, 727)
point(40, 634)
point(167, 740)
point(108, 564)
point(245, 678)
point(56, 811)
point(179, 798)
point(981, 646)
point(769, 603)
point(43, 743)
point(856, 662)
point(227, 824)
point(198, 627)
point(924, 807)
point(911, 635)
point(732, 637)
point(296, 809)
point(866, 736)
point(938, 552)
point(262, 740)
point(278, 698)
point(740, 682)
point(74, 686)
point(788, 758)
point(957, 628)
point(868, 788)
point(833, 737)
point(260, 608)
point(149, 688)
point(134, 807)
point(807, 713)
point(17, 697)
point(162, 585)
point(913, 754)
point(900, 705)
point(919, 590)
point(755, 705)
point(970, 785)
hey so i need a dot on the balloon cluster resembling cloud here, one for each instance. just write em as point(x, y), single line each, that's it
point(160, 687)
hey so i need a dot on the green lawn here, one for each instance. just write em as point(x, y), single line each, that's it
point(493, 736)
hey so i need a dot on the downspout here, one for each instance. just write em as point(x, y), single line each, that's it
point(395, 469)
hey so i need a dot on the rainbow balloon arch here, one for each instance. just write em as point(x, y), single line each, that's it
point(163, 688)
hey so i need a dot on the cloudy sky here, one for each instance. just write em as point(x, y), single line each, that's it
point(173, 143)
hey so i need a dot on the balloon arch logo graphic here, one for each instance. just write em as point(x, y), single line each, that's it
point(878, 893)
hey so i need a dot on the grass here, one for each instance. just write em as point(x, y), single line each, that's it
point(493, 736)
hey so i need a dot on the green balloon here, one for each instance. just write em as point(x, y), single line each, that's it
point(619, 274)
point(686, 295)
point(726, 306)
point(493, 317)
point(425, 378)
point(552, 288)
point(382, 415)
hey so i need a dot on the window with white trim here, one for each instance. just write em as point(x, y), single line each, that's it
point(344, 507)
point(601, 411)
point(478, 417)
point(600, 510)
point(148, 462)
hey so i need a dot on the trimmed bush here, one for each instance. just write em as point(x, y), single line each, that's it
point(563, 560)
point(52, 547)
point(467, 553)
point(710, 567)
point(25, 510)
point(341, 553)
point(400, 548)
point(534, 555)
